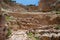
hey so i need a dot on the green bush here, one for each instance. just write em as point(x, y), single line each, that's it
point(9, 32)
point(7, 18)
point(32, 36)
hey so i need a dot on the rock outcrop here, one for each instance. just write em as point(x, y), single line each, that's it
point(28, 21)
point(3, 28)
point(49, 5)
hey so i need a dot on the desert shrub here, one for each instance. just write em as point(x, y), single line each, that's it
point(57, 27)
point(9, 32)
point(7, 18)
point(32, 36)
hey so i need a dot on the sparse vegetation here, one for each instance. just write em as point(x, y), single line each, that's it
point(8, 18)
point(32, 36)
point(9, 32)
point(57, 12)
point(57, 27)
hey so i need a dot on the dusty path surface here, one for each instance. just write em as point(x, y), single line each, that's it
point(22, 35)
point(18, 35)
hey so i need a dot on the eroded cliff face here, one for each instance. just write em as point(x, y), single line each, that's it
point(44, 5)
point(49, 5)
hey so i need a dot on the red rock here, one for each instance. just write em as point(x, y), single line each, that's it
point(48, 5)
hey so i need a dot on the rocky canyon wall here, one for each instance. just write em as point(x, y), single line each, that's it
point(49, 5)
point(35, 20)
